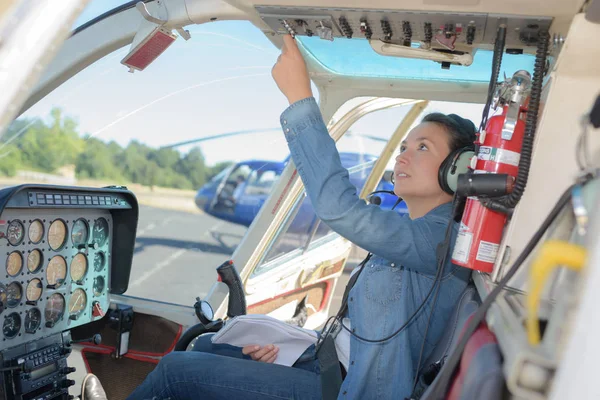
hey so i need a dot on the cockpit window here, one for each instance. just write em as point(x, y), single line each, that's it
point(106, 126)
point(97, 8)
point(341, 56)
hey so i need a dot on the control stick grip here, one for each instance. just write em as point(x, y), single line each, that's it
point(237, 300)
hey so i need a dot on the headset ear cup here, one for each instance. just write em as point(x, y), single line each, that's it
point(461, 164)
point(456, 163)
point(443, 173)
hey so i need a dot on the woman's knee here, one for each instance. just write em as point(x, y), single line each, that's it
point(203, 343)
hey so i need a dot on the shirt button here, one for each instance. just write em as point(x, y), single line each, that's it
point(393, 265)
point(344, 392)
point(287, 129)
point(353, 330)
point(351, 298)
point(352, 363)
point(284, 122)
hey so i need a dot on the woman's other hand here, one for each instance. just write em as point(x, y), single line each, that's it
point(290, 72)
point(266, 354)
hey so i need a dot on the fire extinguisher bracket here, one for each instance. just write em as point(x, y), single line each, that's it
point(511, 121)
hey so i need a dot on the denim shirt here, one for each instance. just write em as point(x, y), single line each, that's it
point(396, 279)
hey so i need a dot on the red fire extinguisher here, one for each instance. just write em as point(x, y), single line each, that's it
point(481, 229)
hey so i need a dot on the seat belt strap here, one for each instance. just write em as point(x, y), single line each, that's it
point(350, 285)
point(331, 373)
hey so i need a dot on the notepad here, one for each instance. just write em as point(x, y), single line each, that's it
point(246, 330)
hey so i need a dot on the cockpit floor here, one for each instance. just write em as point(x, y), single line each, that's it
point(121, 376)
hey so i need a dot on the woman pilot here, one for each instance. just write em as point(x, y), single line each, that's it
point(378, 361)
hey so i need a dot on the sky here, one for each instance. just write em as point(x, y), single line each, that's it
point(217, 82)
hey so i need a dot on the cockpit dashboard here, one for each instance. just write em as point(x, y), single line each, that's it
point(65, 251)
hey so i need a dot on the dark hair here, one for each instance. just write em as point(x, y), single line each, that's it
point(462, 131)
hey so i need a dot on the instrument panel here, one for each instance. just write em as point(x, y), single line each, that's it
point(436, 29)
point(57, 260)
point(55, 270)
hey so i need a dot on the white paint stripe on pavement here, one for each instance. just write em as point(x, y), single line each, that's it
point(149, 227)
point(158, 266)
point(170, 259)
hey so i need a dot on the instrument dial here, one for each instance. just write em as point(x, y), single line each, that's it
point(33, 319)
point(77, 302)
point(34, 290)
point(79, 267)
point(15, 232)
point(55, 308)
point(12, 325)
point(99, 261)
point(14, 293)
point(80, 232)
point(57, 234)
point(14, 263)
point(98, 285)
point(56, 271)
point(36, 231)
point(34, 260)
point(100, 233)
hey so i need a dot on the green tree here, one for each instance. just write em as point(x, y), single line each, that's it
point(10, 160)
point(193, 167)
point(96, 161)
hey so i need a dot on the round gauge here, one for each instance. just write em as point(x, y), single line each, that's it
point(98, 285)
point(99, 261)
point(34, 290)
point(57, 234)
point(77, 302)
point(100, 233)
point(36, 231)
point(3, 296)
point(80, 232)
point(34, 260)
point(14, 293)
point(55, 308)
point(79, 267)
point(15, 232)
point(12, 325)
point(14, 263)
point(33, 318)
point(56, 271)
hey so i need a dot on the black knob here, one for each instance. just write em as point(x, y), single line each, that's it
point(67, 370)
point(96, 339)
point(65, 351)
point(67, 383)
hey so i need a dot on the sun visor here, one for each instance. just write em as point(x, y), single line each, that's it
point(151, 39)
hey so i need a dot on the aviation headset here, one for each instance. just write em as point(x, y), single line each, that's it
point(456, 163)
point(459, 160)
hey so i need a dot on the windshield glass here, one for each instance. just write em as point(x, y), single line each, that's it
point(106, 126)
point(95, 8)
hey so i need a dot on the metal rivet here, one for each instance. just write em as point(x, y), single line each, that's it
point(284, 122)
point(393, 265)
point(287, 129)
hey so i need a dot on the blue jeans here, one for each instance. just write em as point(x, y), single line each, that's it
point(217, 371)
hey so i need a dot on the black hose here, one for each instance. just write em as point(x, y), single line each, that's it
point(513, 198)
point(439, 388)
point(496, 64)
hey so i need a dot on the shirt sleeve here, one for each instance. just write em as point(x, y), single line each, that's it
point(412, 243)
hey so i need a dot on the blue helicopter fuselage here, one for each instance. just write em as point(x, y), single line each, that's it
point(237, 193)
